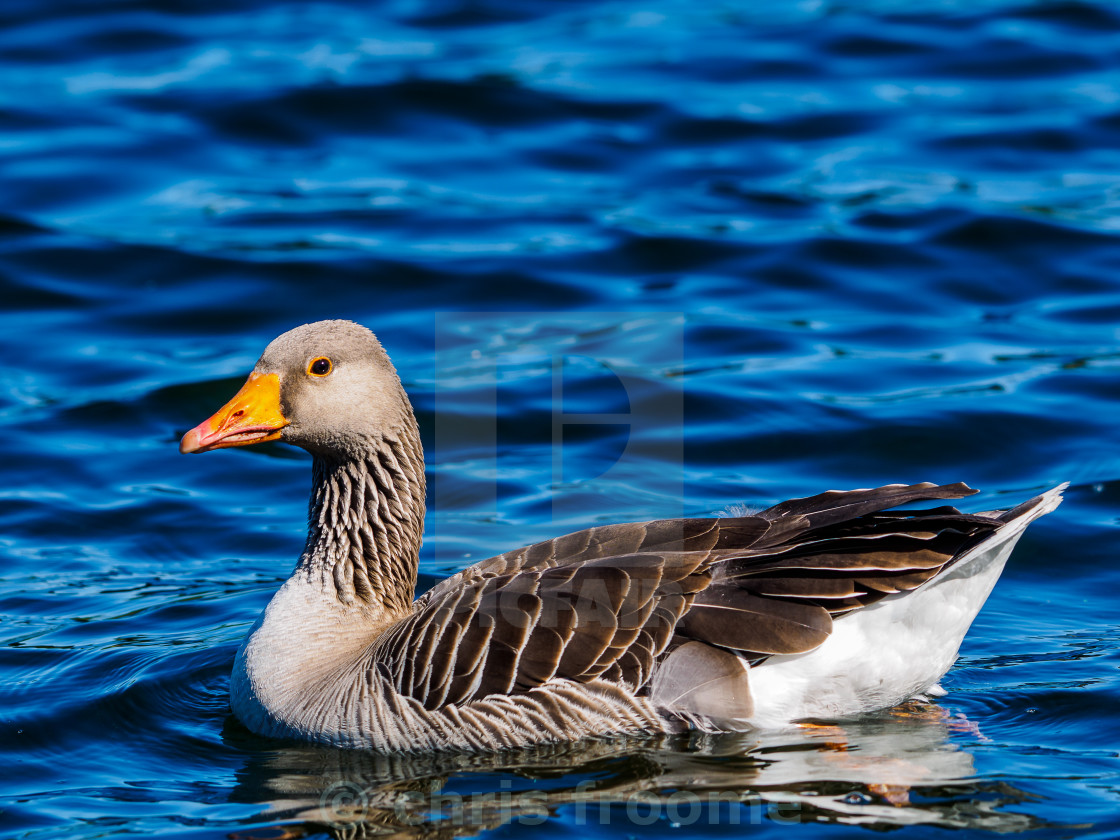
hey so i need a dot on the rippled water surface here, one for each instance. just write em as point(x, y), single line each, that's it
point(632, 260)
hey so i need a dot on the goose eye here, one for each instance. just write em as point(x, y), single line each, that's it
point(320, 367)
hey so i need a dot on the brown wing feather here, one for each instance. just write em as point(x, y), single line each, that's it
point(607, 602)
point(841, 506)
point(609, 541)
point(608, 617)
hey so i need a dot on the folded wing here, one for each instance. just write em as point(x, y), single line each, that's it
point(620, 601)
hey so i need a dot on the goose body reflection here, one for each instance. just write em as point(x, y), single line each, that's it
point(887, 769)
point(821, 607)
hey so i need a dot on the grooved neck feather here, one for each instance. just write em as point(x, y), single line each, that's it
point(365, 522)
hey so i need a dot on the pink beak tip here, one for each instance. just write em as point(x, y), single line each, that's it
point(191, 442)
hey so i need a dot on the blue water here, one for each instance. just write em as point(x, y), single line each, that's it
point(632, 259)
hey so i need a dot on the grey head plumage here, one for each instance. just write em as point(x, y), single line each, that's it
point(349, 402)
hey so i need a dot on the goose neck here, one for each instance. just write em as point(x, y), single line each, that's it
point(365, 524)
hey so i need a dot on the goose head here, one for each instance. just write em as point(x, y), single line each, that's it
point(326, 387)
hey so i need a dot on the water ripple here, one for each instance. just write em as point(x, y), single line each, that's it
point(799, 245)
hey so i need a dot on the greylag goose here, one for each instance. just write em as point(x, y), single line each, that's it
point(821, 607)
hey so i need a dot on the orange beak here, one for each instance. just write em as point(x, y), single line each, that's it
point(252, 416)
